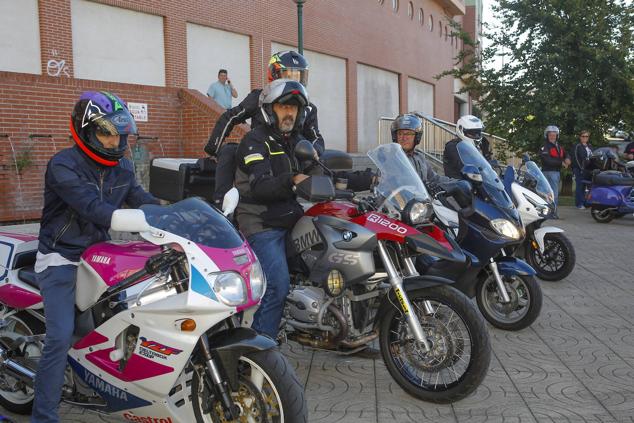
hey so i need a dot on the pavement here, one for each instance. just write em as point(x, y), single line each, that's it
point(574, 364)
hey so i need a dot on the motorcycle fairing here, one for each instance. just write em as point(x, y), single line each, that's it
point(385, 227)
point(511, 266)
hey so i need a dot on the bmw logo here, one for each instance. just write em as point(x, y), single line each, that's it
point(347, 236)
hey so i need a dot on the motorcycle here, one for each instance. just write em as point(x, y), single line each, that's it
point(610, 195)
point(545, 248)
point(505, 287)
point(157, 336)
point(353, 280)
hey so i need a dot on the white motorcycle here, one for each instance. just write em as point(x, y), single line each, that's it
point(545, 248)
point(157, 331)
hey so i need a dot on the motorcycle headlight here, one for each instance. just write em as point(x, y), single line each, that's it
point(258, 281)
point(416, 213)
point(505, 228)
point(230, 288)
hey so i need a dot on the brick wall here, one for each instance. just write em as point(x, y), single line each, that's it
point(360, 31)
point(40, 105)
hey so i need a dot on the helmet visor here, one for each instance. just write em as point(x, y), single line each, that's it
point(120, 122)
point(474, 134)
point(296, 74)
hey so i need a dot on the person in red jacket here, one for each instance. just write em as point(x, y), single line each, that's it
point(554, 157)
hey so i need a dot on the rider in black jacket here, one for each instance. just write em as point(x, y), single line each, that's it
point(580, 155)
point(469, 129)
point(266, 177)
point(286, 64)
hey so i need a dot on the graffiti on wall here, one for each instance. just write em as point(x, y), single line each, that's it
point(57, 67)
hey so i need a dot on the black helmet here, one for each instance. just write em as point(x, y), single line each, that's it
point(290, 65)
point(408, 121)
point(107, 114)
point(283, 91)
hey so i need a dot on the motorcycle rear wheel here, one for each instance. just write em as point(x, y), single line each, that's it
point(602, 214)
point(461, 350)
point(19, 398)
point(268, 391)
point(556, 268)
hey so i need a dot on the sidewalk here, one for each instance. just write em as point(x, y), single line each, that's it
point(575, 364)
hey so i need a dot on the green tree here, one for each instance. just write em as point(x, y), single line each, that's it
point(566, 62)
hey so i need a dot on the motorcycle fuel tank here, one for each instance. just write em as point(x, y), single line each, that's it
point(106, 264)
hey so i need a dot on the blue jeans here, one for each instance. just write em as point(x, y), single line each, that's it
point(57, 285)
point(553, 176)
point(580, 187)
point(270, 247)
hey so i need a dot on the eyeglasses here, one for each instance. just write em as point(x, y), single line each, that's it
point(585, 136)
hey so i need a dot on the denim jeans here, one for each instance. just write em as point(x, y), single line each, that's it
point(57, 286)
point(553, 176)
point(580, 187)
point(270, 247)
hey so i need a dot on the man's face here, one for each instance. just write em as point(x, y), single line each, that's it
point(552, 137)
point(222, 77)
point(108, 141)
point(584, 138)
point(405, 138)
point(294, 74)
point(286, 115)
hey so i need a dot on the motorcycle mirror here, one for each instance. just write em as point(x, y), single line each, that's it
point(472, 173)
point(230, 201)
point(129, 220)
point(525, 158)
point(304, 151)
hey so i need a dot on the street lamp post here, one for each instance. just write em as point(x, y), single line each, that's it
point(300, 26)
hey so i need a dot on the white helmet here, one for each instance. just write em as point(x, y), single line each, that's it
point(469, 128)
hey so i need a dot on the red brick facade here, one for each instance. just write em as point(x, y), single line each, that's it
point(359, 31)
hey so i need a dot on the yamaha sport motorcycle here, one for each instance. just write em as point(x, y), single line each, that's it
point(156, 334)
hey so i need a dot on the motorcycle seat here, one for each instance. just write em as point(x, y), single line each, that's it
point(28, 276)
point(611, 178)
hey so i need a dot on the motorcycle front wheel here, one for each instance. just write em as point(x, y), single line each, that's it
point(460, 349)
point(268, 391)
point(557, 260)
point(520, 312)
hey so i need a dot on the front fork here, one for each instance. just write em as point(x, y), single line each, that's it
point(397, 284)
point(231, 410)
point(504, 295)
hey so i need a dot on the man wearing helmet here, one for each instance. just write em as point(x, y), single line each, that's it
point(553, 158)
point(469, 129)
point(407, 131)
point(83, 186)
point(266, 176)
point(286, 64)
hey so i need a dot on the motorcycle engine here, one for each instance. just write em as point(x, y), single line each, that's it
point(304, 303)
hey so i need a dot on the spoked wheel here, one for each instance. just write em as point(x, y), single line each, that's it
point(268, 391)
point(520, 312)
point(557, 260)
point(15, 395)
point(460, 350)
point(602, 214)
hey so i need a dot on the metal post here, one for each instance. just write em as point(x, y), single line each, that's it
point(300, 25)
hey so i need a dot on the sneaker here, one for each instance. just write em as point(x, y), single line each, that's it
point(581, 208)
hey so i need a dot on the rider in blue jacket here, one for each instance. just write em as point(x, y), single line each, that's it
point(83, 186)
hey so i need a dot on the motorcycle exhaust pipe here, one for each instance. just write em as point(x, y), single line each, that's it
point(15, 369)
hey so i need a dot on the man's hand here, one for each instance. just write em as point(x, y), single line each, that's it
point(299, 178)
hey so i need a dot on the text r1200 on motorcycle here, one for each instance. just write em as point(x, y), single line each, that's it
point(353, 280)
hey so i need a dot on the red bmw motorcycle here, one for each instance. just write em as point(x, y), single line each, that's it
point(353, 280)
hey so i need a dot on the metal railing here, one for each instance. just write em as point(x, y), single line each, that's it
point(437, 132)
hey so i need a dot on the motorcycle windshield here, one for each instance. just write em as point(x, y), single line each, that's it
point(542, 188)
point(398, 181)
point(196, 221)
point(470, 155)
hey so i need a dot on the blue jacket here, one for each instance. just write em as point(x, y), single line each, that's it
point(79, 199)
